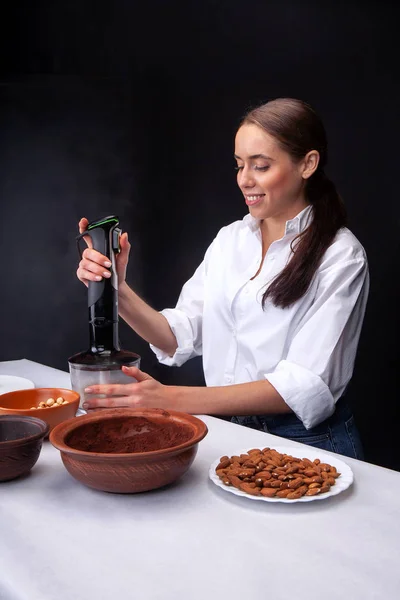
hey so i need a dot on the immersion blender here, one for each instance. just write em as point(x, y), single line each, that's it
point(102, 362)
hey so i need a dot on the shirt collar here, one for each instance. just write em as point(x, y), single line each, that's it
point(300, 221)
point(295, 225)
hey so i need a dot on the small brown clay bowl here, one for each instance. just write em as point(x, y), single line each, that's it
point(20, 403)
point(128, 450)
point(21, 441)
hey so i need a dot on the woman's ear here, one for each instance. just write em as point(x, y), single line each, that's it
point(310, 163)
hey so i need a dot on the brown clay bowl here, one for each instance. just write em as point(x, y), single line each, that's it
point(150, 448)
point(20, 403)
point(21, 441)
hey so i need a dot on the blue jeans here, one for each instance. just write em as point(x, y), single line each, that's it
point(337, 434)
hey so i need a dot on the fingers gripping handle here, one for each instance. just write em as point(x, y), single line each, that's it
point(105, 236)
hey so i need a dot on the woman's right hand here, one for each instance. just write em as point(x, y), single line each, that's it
point(94, 266)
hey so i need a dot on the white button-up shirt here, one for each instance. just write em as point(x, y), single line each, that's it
point(306, 351)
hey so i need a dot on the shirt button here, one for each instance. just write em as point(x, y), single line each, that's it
point(228, 379)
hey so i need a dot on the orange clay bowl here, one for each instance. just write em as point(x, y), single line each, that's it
point(128, 450)
point(20, 403)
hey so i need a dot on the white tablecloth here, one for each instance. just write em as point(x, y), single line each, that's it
point(62, 541)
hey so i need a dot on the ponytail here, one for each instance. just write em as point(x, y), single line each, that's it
point(308, 248)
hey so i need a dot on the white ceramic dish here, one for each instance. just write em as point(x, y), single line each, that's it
point(11, 383)
point(342, 483)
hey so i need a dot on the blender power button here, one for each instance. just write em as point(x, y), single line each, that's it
point(115, 240)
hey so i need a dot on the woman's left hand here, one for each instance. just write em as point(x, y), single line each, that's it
point(146, 392)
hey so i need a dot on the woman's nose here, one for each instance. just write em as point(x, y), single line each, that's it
point(246, 179)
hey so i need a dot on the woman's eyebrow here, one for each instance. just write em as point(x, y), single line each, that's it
point(254, 156)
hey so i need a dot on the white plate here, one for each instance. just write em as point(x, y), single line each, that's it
point(10, 383)
point(342, 483)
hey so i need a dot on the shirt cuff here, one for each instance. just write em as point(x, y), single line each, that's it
point(303, 391)
point(181, 328)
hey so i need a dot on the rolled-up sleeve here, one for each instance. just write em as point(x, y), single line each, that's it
point(185, 321)
point(320, 360)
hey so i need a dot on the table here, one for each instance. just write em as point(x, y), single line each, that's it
point(60, 540)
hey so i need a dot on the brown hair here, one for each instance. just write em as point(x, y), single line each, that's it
point(298, 129)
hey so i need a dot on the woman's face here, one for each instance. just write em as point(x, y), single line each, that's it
point(272, 184)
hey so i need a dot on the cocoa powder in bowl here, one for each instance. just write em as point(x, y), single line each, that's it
point(128, 434)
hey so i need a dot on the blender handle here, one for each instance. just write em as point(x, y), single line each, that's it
point(103, 295)
point(101, 243)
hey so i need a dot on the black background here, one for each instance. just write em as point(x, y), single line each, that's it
point(131, 108)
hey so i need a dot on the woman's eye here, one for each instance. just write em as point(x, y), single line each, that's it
point(255, 167)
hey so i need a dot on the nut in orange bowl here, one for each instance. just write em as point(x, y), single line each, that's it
point(21, 402)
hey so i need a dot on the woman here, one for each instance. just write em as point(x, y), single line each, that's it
point(277, 305)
